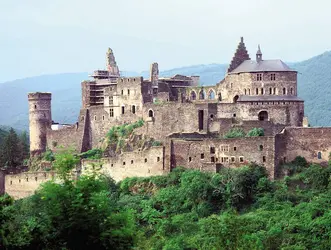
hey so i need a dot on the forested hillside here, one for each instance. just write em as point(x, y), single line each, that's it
point(186, 209)
point(313, 86)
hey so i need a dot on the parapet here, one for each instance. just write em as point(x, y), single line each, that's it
point(39, 96)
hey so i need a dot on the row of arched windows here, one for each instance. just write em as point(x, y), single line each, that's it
point(270, 91)
point(202, 95)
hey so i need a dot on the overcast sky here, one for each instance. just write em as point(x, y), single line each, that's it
point(56, 36)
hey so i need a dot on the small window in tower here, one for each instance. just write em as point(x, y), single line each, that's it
point(245, 91)
point(270, 91)
point(145, 159)
point(133, 109)
point(111, 112)
point(284, 91)
point(128, 92)
point(103, 117)
point(234, 115)
point(35, 106)
point(122, 92)
point(158, 159)
point(249, 91)
point(122, 110)
point(190, 159)
point(212, 159)
point(212, 150)
point(233, 159)
point(257, 91)
point(123, 163)
point(264, 159)
point(261, 147)
point(234, 148)
point(319, 155)
point(95, 117)
point(241, 159)
point(202, 156)
point(291, 91)
point(262, 91)
point(131, 161)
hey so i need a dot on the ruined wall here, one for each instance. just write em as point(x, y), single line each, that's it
point(129, 164)
point(25, 184)
point(212, 154)
point(312, 143)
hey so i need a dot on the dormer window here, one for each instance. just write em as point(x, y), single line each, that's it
point(259, 77)
point(273, 77)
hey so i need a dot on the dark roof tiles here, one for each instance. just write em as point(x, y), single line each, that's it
point(262, 66)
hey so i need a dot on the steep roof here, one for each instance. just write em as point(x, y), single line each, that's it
point(264, 65)
point(240, 55)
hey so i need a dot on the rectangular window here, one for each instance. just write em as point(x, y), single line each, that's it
point(122, 110)
point(212, 150)
point(202, 156)
point(241, 159)
point(111, 112)
point(259, 77)
point(234, 148)
point(263, 159)
point(128, 92)
point(212, 159)
point(233, 159)
point(225, 148)
point(273, 77)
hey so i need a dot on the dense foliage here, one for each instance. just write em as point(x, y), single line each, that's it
point(14, 149)
point(186, 209)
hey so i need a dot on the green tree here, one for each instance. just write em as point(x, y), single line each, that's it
point(11, 155)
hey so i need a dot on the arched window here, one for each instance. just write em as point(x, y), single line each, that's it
point(262, 91)
point(150, 113)
point(257, 91)
point(193, 95)
point(235, 99)
point(319, 155)
point(270, 91)
point(274, 91)
point(291, 91)
point(211, 95)
point(263, 116)
point(245, 91)
point(202, 95)
point(284, 91)
point(133, 109)
point(249, 91)
point(35, 106)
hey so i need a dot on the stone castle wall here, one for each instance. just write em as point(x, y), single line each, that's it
point(130, 164)
point(214, 154)
point(25, 184)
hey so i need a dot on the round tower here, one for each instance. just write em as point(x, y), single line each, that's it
point(40, 118)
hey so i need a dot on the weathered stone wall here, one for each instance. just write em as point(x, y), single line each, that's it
point(212, 154)
point(25, 184)
point(247, 84)
point(312, 143)
point(129, 164)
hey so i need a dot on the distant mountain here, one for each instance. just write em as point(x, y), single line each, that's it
point(314, 79)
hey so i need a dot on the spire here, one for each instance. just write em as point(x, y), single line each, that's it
point(111, 64)
point(240, 55)
point(154, 74)
point(259, 54)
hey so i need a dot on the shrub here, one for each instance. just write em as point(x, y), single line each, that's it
point(91, 154)
point(156, 143)
point(48, 155)
point(234, 133)
point(255, 132)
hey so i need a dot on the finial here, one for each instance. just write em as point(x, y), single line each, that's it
point(258, 54)
point(241, 39)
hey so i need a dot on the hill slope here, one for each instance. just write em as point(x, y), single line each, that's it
point(313, 78)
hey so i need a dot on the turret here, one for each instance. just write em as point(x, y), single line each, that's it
point(40, 118)
point(154, 74)
point(258, 55)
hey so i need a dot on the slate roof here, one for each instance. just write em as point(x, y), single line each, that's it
point(268, 98)
point(262, 66)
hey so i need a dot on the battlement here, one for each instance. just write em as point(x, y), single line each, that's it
point(39, 96)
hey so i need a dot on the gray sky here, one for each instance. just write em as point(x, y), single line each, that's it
point(55, 36)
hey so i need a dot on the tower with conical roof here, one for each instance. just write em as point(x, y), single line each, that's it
point(240, 55)
point(111, 64)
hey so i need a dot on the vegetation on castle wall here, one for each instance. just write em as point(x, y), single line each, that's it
point(117, 133)
point(234, 133)
point(92, 154)
point(255, 132)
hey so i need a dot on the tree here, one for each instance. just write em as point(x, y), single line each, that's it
point(11, 153)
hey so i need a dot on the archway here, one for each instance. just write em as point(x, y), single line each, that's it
point(211, 94)
point(193, 95)
point(150, 113)
point(235, 99)
point(202, 95)
point(263, 116)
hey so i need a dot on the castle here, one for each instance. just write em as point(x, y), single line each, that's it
point(189, 120)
